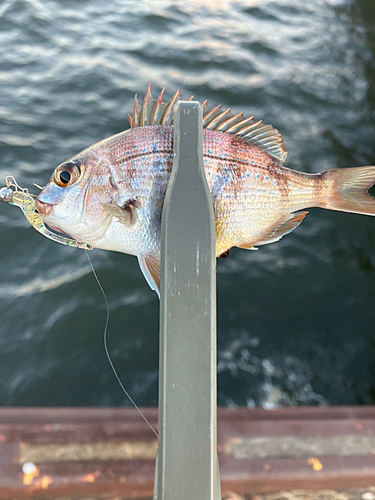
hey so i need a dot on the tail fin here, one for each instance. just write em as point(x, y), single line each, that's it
point(348, 190)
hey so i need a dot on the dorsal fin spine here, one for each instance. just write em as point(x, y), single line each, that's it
point(237, 127)
point(156, 108)
point(145, 107)
point(224, 126)
point(217, 120)
point(136, 111)
point(247, 130)
point(168, 110)
point(208, 116)
point(258, 133)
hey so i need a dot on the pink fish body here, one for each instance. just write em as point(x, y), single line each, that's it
point(111, 194)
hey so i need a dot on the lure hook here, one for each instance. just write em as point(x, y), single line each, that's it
point(11, 182)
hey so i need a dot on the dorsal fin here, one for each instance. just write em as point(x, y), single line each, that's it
point(156, 112)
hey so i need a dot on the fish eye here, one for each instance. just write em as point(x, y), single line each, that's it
point(66, 174)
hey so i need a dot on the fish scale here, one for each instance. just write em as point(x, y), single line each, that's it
point(111, 194)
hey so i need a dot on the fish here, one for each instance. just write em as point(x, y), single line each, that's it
point(111, 194)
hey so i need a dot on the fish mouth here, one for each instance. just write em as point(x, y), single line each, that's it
point(43, 208)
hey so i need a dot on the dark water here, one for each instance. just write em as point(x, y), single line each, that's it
point(297, 318)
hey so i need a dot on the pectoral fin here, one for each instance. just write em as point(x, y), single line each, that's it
point(124, 214)
point(150, 265)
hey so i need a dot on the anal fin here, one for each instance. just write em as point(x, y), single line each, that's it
point(283, 227)
point(150, 266)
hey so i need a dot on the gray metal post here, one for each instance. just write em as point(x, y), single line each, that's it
point(187, 465)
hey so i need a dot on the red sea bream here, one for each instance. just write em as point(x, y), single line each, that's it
point(111, 194)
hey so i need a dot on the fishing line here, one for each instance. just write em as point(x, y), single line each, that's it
point(107, 351)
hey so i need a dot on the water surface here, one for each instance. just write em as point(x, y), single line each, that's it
point(296, 320)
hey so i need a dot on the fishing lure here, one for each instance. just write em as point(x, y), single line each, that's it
point(15, 195)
